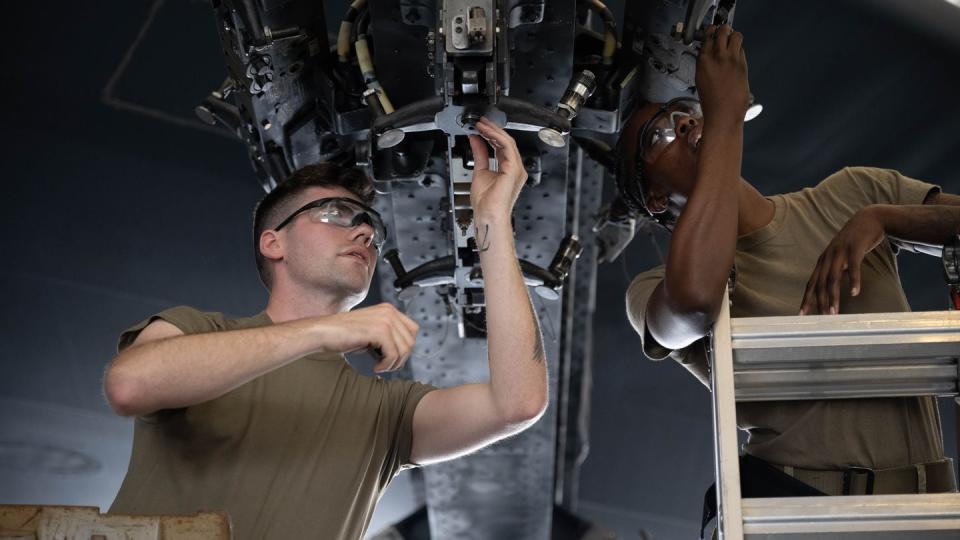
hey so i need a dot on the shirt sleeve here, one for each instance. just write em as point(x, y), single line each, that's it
point(886, 186)
point(190, 321)
point(187, 319)
point(638, 294)
point(692, 357)
point(404, 396)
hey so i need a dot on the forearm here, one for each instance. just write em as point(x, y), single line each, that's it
point(931, 224)
point(704, 240)
point(518, 373)
point(186, 370)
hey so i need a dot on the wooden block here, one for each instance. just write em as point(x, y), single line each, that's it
point(30, 522)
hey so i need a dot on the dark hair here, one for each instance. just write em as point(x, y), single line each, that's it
point(630, 176)
point(280, 202)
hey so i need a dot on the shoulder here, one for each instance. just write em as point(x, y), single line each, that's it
point(858, 177)
point(186, 319)
point(873, 185)
point(193, 321)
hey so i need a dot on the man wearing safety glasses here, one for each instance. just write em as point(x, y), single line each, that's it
point(262, 417)
point(823, 250)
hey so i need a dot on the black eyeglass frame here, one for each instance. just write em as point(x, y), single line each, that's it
point(375, 217)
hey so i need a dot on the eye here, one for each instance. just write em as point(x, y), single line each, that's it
point(692, 109)
point(655, 137)
point(324, 213)
point(362, 218)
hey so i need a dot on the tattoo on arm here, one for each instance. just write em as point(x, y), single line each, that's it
point(483, 238)
point(483, 244)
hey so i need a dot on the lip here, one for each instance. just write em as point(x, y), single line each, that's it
point(358, 254)
point(694, 138)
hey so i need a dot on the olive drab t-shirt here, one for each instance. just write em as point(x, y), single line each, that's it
point(304, 451)
point(773, 265)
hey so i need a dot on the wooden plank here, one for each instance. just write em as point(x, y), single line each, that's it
point(33, 522)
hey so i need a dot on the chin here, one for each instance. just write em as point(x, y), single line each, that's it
point(352, 300)
point(355, 286)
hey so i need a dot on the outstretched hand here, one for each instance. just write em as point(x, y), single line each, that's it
point(494, 192)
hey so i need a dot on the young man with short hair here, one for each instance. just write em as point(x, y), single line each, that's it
point(263, 418)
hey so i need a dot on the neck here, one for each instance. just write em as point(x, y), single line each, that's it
point(756, 211)
point(288, 302)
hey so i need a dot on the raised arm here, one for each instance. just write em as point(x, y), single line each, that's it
point(455, 421)
point(165, 369)
point(934, 222)
point(685, 304)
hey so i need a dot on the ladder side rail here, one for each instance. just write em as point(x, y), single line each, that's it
point(726, 453)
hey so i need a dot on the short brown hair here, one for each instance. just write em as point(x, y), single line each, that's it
point(278, 204)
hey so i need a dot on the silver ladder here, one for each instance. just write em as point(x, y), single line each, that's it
point(830, 357)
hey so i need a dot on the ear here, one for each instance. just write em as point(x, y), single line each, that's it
point(271, 247)
point(657, 203)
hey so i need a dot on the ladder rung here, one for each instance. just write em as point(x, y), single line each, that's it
point(846, 356)
point(878, 336)
point(934, 378)
point(901, 516)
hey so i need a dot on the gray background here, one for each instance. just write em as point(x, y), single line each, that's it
point(117, 206)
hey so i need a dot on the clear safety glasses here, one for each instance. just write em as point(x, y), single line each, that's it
point(661, 129)
point(342, 212)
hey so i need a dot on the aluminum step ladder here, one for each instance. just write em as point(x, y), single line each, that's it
point(830, 357)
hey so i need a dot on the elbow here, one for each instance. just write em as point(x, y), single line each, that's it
point(695, 294)
point(697, 308)
point(121, 393)
point(526, 412)
point(684, 322)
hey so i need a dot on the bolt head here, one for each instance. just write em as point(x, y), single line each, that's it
point(390, 138)
point(552, 137)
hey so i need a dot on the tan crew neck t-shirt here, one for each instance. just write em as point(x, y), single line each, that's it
point(304, 451)
point(773, 265)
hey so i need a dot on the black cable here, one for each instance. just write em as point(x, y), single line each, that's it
point(362, 24)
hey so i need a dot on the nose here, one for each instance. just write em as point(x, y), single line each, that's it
point(362, 231)
point(685, 123)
